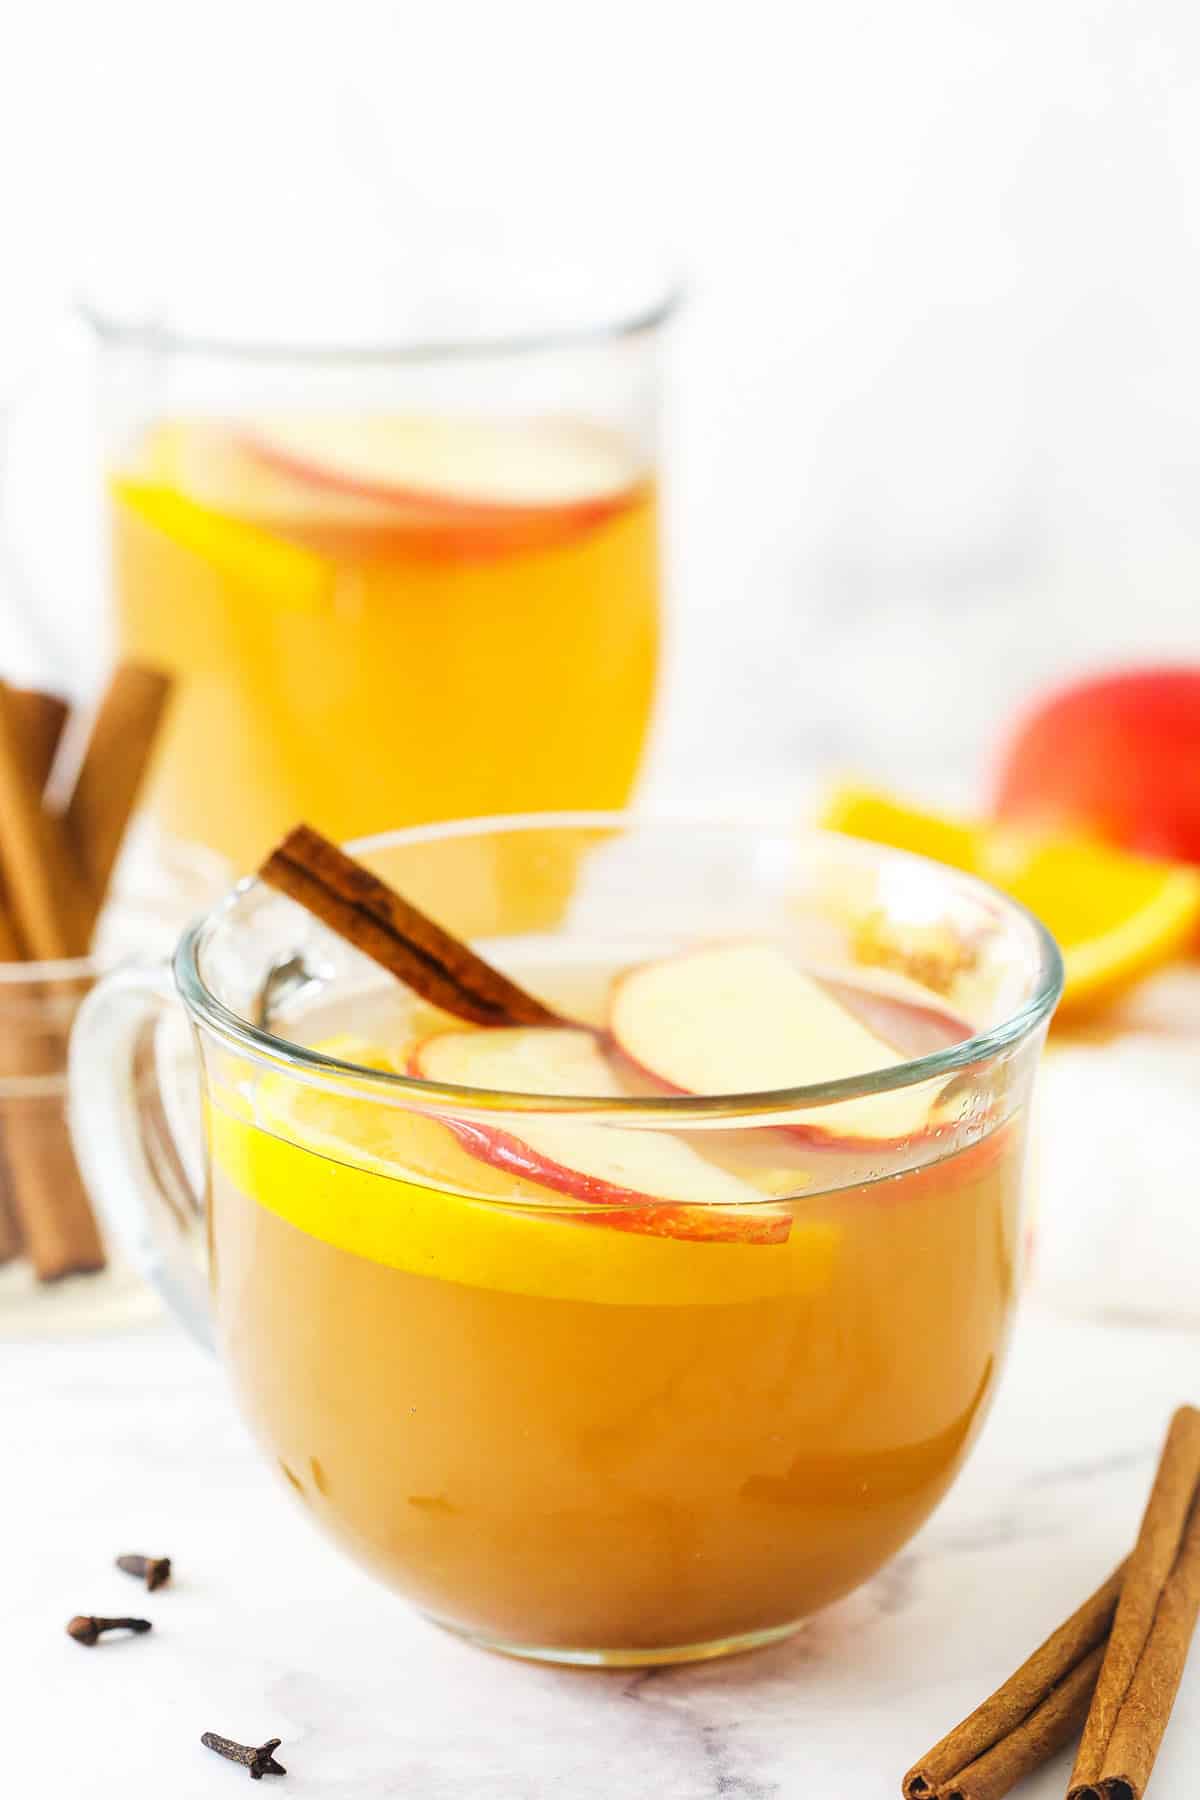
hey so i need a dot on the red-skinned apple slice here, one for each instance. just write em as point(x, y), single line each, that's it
point(475, 469)
point(647, 1181)
point(743, 1018)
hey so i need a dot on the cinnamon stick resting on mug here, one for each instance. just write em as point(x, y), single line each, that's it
point(382, 924)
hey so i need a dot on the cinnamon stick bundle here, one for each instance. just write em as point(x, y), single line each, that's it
point(52, 1212)
point(40, 719)
point(1034, 1713)
point(377, 920)
point(1050, 1727)
point(55, 868)
point(1113, 1668)
point(57, 1223)
point(1151, 1631)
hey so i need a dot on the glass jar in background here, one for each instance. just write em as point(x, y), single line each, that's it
point(392, 583)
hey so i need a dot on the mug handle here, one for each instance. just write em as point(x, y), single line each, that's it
point(127, 1139)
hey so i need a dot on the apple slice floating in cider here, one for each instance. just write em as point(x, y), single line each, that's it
point(647, 1181)
point(469, 466)
point(437, 486)
point(743, 1019)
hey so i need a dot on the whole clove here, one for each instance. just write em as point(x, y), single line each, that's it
point(86, 1629)
point(154, 1570)
point(258, 1758)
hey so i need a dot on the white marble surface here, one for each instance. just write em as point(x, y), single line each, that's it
point(131, 1442)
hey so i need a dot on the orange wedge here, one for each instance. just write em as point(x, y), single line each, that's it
point(1116, 917)
point(396, 1187)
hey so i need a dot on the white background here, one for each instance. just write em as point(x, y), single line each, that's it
point(932, 439)
point(932, 428)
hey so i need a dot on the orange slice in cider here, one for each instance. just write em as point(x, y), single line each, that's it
point(397, 1187)
point(261, 495)
point(646, 1181)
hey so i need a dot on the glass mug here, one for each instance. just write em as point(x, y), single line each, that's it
point(389, 580)
point(575, 1425)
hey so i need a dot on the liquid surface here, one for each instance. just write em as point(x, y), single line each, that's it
point(367, 658)
point(558, 1429)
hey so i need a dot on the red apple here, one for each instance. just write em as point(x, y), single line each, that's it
point(649, 1181)
point(744, 1018)
point(1117, 756)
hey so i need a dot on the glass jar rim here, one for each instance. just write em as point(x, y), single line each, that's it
point(64, 968)
point(20, 980)
point(112, 330)
point(314, 1068)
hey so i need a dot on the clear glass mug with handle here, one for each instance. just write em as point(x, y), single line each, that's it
point(586, 1366)
point(390, 574)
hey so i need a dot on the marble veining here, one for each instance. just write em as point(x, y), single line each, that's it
point(130, 1442)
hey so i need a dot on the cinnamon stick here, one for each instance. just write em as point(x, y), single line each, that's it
point(1151, 1630)
point(39, 874)
point(1143, 1718)
point(10, 943)
point(58, 1225)
point(111, 774)
point(1036, 1739)
point(41, 719)
point(49, 1211)
point(11, 1236)
point(375, 919)
point(1034, 1713)
point(56, 869)
point(44, 918)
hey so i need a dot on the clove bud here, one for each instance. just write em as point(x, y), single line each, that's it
point(86, 1629)
point(154, 1570)
point(257, 1758)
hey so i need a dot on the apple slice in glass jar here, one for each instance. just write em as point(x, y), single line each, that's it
point(485, 483)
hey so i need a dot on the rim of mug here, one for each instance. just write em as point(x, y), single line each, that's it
point(313, 1067)
point(158, 336)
